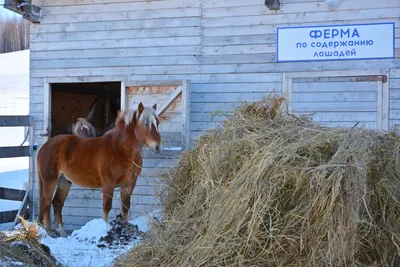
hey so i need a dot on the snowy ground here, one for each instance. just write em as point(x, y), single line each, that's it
point(80, 248)
point(14, 100)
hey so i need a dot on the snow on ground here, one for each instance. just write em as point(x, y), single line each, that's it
point(6, 205)
point(10, 263)
point(14, 179)
point(14, 100)
point(80, 248)
point(173, 148)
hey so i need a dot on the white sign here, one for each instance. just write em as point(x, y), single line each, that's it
point(343, 42)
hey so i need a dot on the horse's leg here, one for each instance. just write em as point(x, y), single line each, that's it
point(126, 189)
point(108, 193)
point(62, 191)
point(126, 192)
point(40, 197)
point(47, 194)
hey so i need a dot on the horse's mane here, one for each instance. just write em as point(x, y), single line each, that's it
point(128, 115)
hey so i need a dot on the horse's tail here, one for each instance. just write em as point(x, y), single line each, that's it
point(40, 195)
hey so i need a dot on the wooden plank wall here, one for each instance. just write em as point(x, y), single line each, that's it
point(226, 48)
point(337, 101)
point(118, 39)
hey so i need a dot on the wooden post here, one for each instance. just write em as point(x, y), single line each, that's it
point(186, 114)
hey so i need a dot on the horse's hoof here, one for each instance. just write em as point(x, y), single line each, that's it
point(63, 234)
point(60, 231)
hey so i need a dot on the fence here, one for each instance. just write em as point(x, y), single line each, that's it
point(11, 152)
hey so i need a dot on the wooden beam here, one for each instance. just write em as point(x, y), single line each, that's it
point(14, 151)
point(273, 4)
point(165, 105)
point(23, 207)
point(154, 83)
point(186, 114)
point(12, 194)
point(11, 121)
point(8, 216)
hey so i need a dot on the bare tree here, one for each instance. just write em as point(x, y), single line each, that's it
point(14, 34)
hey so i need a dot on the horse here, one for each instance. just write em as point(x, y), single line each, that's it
point(81, 126)
point(106, 162)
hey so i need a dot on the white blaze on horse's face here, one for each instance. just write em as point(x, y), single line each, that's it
point(83, 128)
point(149, 125)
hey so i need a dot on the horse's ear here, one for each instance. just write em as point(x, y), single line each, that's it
point(140, 107)
point(155, 106)
point(89, 117)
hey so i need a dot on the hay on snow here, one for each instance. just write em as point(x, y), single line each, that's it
point(272, 189)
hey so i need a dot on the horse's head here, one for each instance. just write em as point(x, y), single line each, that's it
point(83, 126)
point(146, 126)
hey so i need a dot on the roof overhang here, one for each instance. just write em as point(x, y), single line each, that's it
point(25, 8)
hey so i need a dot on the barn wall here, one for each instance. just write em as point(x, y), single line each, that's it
point(226, 48)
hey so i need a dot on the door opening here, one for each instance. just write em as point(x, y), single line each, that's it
point(70, 100)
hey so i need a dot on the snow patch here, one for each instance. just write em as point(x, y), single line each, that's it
point(172, 148)
point(14, 89)
point(16, 63)
point(10, 263)
point(81, 247)
point(15, 179)
point(6, 226)
point(143, 221)
point(8, 205)
point(92, 231)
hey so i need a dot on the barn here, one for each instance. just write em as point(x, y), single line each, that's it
point(335, 60)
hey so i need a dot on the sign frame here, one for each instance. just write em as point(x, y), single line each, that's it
point(321, 28)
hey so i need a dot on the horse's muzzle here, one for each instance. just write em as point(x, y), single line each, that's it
point(156, 149)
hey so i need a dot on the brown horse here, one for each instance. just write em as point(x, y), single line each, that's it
point(110, 161)
point(80, 127)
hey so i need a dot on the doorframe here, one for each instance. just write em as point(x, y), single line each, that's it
point(45, 134)
point(383, 89)
point(47, 94)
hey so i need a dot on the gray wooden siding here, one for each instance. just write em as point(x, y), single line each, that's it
point(226, 48)
point(338, 101)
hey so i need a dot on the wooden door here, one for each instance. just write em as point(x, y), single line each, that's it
point(341, 99)
point(172, 98)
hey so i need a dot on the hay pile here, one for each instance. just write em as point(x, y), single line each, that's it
point(22, 247)
point(270, 189)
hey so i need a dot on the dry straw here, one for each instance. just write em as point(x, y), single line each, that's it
point(271, 189)
point(23, 247)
